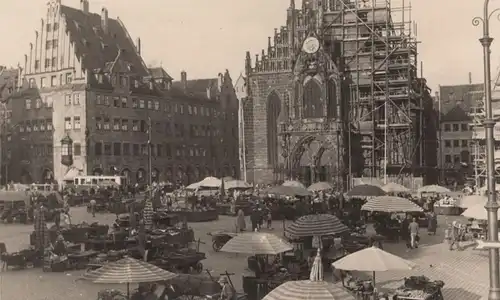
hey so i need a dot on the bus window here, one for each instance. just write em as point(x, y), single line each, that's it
point(94, 181)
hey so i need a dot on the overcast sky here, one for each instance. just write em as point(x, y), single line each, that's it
point(205, 37)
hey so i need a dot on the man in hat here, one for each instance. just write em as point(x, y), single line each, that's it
point(227, 292)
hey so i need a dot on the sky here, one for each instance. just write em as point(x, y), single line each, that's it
point(205, 37)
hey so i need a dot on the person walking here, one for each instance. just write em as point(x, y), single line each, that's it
point(413, 228)
point(240, 221)
point(93, 204)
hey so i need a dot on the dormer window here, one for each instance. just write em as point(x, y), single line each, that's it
point(151, 85)
point(100, 78)
point(136, 84)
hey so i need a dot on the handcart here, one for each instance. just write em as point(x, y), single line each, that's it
point(220, 238)
point(181, 261)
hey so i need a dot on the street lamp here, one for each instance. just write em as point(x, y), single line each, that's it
point(489, 123)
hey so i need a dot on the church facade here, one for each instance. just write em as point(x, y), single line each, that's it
point(336, 96)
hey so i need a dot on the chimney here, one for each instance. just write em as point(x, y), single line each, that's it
point(138, 45)
point(184, 80)
point(84, 6)
point(104, 20)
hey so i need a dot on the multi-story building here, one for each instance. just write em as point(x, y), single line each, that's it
point(88, 104)
point(455, 104)
point(336, 95)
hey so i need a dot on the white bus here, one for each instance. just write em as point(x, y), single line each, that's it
point(96, 180)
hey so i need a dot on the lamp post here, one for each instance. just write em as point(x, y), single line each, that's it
point(489, 123)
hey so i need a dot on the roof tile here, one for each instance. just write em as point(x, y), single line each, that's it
point(97, 47)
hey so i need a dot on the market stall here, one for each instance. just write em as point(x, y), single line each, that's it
point(448, 206)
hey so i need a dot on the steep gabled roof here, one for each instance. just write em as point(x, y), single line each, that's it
point(464, 94)
point(97, 47)
point(159, 72)
point(456, 114)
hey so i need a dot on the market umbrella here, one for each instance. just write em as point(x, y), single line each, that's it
point(210, 182)
point(128, 270)
point(313, 289)
point(365, 180)
point(288, 191)
point(237, 184)
point(366, 190)
point(316, 225)
point(393, 187)
point(477, 212)
point(293, 183)
point(373, 259)
point(257, 243)
point(320, 186)
point(472, 200)
point(391, 204)
point(433, 189)
point(193, 186)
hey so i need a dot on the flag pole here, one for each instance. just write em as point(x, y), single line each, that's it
point(150, 160)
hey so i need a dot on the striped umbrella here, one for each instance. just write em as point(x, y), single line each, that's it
point(128, 270)
point(313, 289)
point(147, 214)
point(257, 243)
point(391, 204)
point(316, 225)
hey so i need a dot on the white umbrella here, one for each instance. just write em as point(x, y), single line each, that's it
point(210, 182)
point(293, 183)
point(313, 289)
point(393, 187)
point(257, 243)
point(236, 184)
point(193, 186)
point(433, 189)
point(373, 260)
point(477, 212)
point(472, 200)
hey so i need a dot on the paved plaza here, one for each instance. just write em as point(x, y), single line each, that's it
point(465, 273)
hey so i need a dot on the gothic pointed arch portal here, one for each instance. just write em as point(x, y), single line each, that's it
point(315, 159)
point(273, 112)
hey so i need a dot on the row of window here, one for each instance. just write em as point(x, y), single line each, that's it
point(456, 143)
point(192, 110)
point(458, 159)
point(66, 78)
point(74, 123)
point(456, 127)
point(178, 130)
point(43, 150)
point(35, 125)
point(157, 150)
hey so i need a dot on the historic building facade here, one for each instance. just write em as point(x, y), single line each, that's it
point(88, 104)
point(335, 96)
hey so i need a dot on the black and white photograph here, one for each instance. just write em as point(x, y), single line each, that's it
point(249, 150)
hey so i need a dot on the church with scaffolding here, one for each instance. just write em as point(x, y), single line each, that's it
point(337, 95)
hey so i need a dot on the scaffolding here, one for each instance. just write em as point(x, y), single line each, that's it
point(478, 142)
point(386, 103)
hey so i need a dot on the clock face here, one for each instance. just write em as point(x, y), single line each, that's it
point(311, 45)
